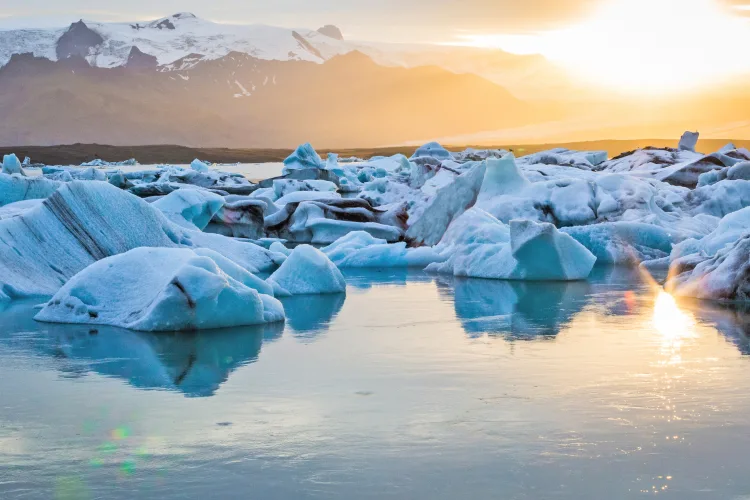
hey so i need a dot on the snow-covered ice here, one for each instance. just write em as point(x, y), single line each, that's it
point(307, 271)
point(11, 165)
point(550, 215)
point(359, 249)
point(162, 289)
point(302, 158)
point(480, 246)
point(85, 221)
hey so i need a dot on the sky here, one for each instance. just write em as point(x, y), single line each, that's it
point(649, 44)
point(396, 20)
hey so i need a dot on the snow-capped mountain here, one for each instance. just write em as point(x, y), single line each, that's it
point(181, 40)
point(109, 45)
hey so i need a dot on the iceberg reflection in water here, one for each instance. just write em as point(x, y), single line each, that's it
point(310, 315)
point(514, 310)
point(193, 363)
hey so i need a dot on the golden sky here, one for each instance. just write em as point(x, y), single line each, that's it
point(651, 46)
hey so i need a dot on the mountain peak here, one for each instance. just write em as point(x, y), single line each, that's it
point(331, 31)
point(184, 15)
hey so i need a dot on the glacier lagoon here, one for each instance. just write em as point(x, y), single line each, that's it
point(409, 386)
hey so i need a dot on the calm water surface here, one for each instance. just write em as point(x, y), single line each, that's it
point(412, 386)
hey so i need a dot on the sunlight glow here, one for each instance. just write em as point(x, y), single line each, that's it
point(643, 46)
point(671, 323)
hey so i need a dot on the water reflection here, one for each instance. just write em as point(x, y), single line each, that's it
point(195, 363)
point(365, 279)
point(310, 315)
point(732, 322)
point(514, 310)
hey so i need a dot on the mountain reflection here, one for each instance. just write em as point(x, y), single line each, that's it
point(514, 310)
point(195, 364)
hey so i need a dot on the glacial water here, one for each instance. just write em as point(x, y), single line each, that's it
point(410, 387)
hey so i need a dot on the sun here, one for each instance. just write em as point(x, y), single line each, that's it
point(644, 46)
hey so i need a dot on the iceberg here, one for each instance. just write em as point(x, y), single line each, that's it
point(725, 277)
point(199, 166)
point(85, 221)
point(449, 202)
point(325, 220)
point(480, 246)
point(304, 157)
point(541, 252)
point(502, 177)
point(433, 150)
point(688, 141)
point(307, 271)
point(728, 231)
point(359, 249)
point(162, 289)
point(98, 162)
point(585, 160)
point(621, 242)
point(190, 208)
point(11, 165)
point(16, 187)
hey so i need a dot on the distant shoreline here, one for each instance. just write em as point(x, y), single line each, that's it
point(75, 154)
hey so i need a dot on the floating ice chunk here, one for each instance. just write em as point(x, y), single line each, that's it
point(98, 162)
point(82, 222)
point(478, 245)
point(199, 166)
point(359, 249)
point(728, 231)
point(11, 165)
point(433, 150)
point(15, 188)
point(449, 202)
point(542, 252)
point(307, 271)
point(623, 242)
point(303, 157)
point(162, 289)
point(190, 208)
point(332, 162)
point(723, 277)
point(688, 141)
point(502, 177)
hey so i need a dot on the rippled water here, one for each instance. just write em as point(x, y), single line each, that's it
point(411, 386)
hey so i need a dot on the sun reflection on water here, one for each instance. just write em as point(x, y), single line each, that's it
point(670, 321)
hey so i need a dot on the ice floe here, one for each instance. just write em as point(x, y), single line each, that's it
point(550, 215)
point(307, 271)
point(162, 289)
